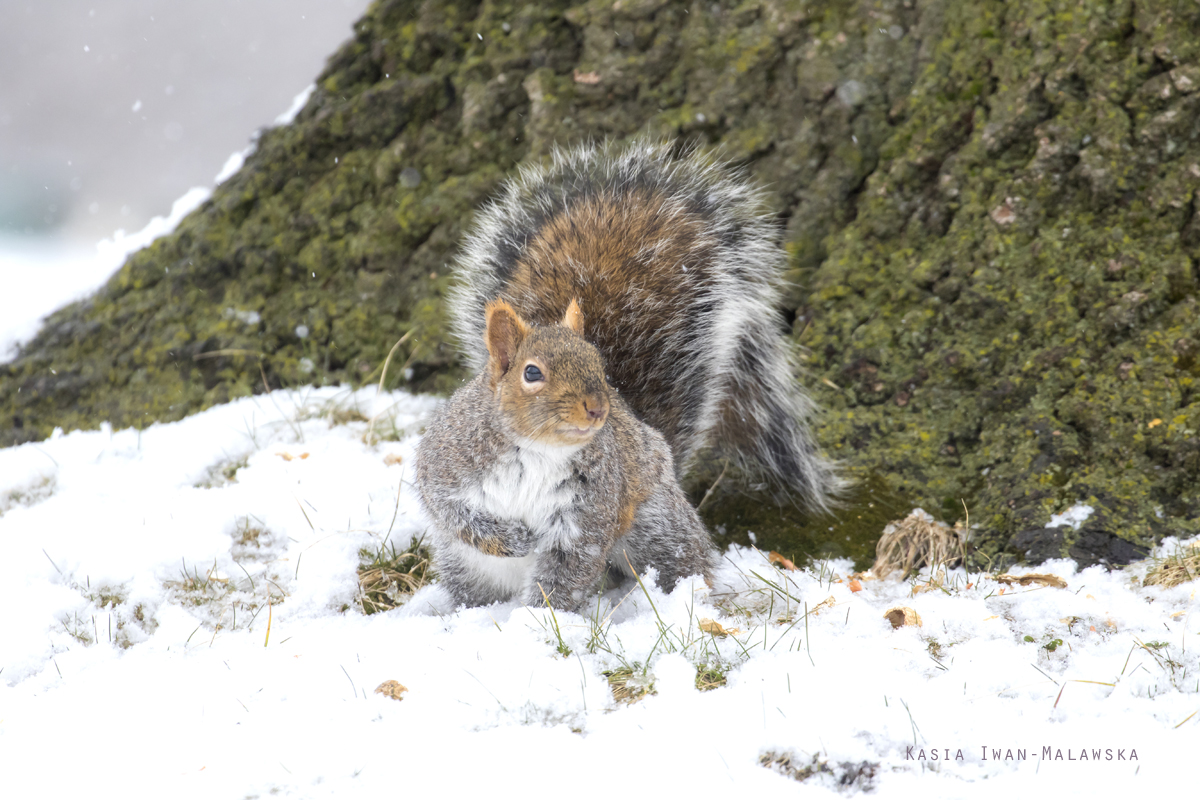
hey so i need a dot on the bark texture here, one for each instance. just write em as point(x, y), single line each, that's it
point(990, 208)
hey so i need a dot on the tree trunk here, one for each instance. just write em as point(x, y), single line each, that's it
point(990, 208)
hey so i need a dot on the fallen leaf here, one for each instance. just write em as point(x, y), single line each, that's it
point(290, 457)
point(901, 616)
point(1042, 579)
point(715, 628)
point(828, 602)
point(392, 689)
point(391, 459)
point(778, 560)
point(855, 586)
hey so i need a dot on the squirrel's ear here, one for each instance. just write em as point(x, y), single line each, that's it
point(573, 319)
point(505, 332)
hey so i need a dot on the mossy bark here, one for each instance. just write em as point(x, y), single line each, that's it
point(990, 208)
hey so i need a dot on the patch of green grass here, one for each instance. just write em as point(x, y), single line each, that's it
point(710, 677)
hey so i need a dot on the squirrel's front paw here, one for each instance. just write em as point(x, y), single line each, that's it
point(503, 539)
point(520, 540)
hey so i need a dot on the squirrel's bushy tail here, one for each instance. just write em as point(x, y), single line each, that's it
point(678, 272)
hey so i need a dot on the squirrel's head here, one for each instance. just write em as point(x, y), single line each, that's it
point(549, 381)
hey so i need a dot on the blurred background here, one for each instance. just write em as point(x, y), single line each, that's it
point(110, 111)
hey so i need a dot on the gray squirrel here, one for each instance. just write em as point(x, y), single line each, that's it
point(620, 308)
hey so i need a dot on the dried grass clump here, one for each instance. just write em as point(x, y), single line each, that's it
point(848, 775)
point(1179, 567)
point(791, 766)
point(916, 541)
point(629, 685)
point(389, 576)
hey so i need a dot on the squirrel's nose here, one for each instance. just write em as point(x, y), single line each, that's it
point(596, 409)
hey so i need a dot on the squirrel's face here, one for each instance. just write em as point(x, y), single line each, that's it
point(549, 381)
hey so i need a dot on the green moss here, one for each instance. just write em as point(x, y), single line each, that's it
point(990, 211)
point(739, 514)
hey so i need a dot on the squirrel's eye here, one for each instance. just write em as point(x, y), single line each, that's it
point(533, 374)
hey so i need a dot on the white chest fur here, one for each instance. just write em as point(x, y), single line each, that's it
point(530, 483)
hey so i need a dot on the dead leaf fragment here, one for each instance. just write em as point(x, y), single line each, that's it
point(391, 460)
point(715, 628)
point(289, 457)
point(855, 586)
point(779, 561)
point(1040, 579)
point(828, 602)
point(392, 689)
point(901, 616)
point(589, 78)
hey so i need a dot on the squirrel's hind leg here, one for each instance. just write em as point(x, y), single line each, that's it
point(666, 534)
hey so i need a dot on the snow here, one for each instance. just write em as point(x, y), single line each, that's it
point(115, 665)
point(233, 164)
point(39, 277)
point(1074, 516)
point(298, 104)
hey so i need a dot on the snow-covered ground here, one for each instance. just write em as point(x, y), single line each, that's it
point(179, 617)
